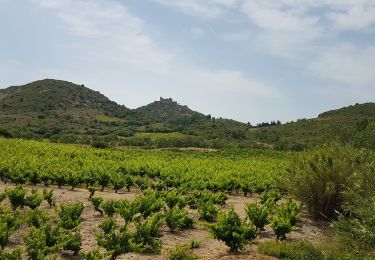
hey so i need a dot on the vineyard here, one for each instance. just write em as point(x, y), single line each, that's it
point(72, 202)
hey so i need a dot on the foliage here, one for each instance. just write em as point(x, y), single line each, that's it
point(147, 234)
point(34, 200)
point(292, 250)
point(355, 227)
point(36, 246)
point(36, 217)
point(208, 211)
point(289, 210)
point(232, 230)
point(70, 215)
point(72, 241)
point(319, 177)
point(93, 254)
point(177, 218)
point(9, 222)
point(109, 207)
point(16, 196)
point(48, 196)
point(193, 244)
point(148, 203)
point(180, 252)
point(117, 242)
point(258, 215)
point(281, 226)
point(96, 202)
point(13, 255)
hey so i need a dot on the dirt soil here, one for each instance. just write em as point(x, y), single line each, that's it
point(210, 248)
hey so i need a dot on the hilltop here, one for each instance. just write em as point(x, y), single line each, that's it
point(66, 112)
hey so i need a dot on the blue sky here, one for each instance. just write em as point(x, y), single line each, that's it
point(250, 60)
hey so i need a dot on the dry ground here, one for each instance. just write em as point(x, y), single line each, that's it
point(210, 248)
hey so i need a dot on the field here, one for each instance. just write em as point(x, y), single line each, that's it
point(153, 181)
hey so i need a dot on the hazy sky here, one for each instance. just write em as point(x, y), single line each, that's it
point(250, 60)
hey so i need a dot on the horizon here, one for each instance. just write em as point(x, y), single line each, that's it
point(250, 61)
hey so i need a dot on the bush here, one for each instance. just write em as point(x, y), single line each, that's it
point(70, 215)
point(194, 244)
point(36, 246)
point(93, 254)
point(355, 228)
point(118, 181)
point(269, 197)
point(117, 243)
point(110, 207)
point(34, 200)
point(172, 199)
point(208, 211)
point(147, 234)
point(293, 250)
point(177, 218)
point(319, 177)
point(72, 241)
point(14, 255)
point(258, 215)
point(148, 203)
point(281, 226)
point(289, 210)
point(96, 202)
point(48, 196)
point(36, 218)
point(180, 252)
point(16, 196)
point(232, 230)
point(9, 222)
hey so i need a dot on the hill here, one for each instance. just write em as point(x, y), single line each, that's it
point(62, 111)
point(66, 112)
point(353, 124)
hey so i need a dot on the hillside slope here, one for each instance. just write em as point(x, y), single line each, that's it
point(348, 124)
point(67, 112)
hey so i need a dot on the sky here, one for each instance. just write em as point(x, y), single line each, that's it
point(248, 60)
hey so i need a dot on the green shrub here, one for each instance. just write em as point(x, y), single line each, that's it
point(293, 250)
point(355, 228)
point(9, 222)
point(232, 230)
point(208, 211)
point(117, 242)
point(126, 209)
point(180, 252)
point(148, 203)
point(258, 215)
point(93, 254)
point(36, 218)
point(108, 225)
point(70, 215)
point(289, 210)
point(319, 177)
point(194, 244)
point(147, 234)
point(96, 202)
point(17, 196)
point(118, 181)
point(14, 255)
point(269, 197)
point(36, 247)
point(177, 218)
point(48, 196)
point(281, 226)
point(172, 199)
point(34, 200)
point(110, 207)
point(72, 241)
